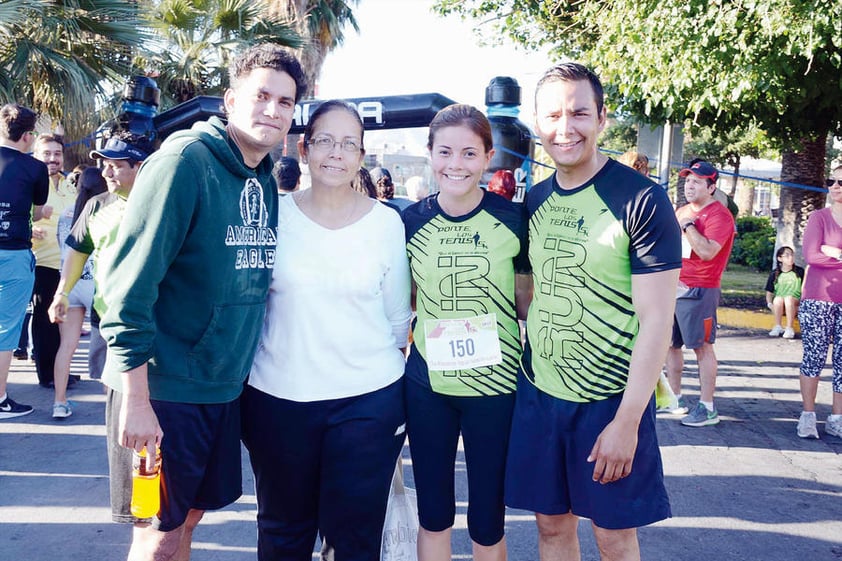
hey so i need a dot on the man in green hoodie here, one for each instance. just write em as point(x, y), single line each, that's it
point(185, 297)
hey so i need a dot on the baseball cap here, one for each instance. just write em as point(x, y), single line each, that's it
point(116, 149)
point(701, 169)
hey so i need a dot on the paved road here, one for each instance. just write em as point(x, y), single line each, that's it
point(747, 489)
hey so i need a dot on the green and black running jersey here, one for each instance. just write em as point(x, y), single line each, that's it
point(94, 233)
point(584, 246)
point(466, 331)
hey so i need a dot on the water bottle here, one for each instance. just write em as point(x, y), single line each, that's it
point(513, 143)
point(146, 485)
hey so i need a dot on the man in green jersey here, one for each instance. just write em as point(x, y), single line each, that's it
point(604, 248)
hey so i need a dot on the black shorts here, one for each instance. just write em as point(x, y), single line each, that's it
point(200, 469)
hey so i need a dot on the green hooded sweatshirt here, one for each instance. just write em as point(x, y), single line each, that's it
point(185, 286)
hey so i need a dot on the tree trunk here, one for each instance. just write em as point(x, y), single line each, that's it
point(735, 178)
point(745, 198)
point(805, 167)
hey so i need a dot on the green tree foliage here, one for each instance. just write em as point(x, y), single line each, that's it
point(196, 40)
point(620, 135)
point(717, 63)
point(321, 24)
point(59, 57)
point(754, 245)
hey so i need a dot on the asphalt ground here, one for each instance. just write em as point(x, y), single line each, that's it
point(746, 489)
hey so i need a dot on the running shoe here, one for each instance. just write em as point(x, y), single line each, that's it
point(700, 416)
point(789, 333)
point(833, 426)
point(62, 410)
point(10, 409)
point(807, 425)
point(777, 331)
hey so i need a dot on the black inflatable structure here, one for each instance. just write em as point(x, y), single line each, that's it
point(512, 139)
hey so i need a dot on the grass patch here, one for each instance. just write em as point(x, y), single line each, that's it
point(743, 287)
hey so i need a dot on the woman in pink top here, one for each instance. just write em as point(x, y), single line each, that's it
point(820, 313)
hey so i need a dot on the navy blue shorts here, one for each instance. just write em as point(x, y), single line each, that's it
point(548, 473)
point(434, 422)
point(323, 466)
point(200, 468)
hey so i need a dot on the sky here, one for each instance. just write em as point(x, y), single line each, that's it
point(404, 48)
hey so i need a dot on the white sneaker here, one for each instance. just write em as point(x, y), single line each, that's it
point(807, 425)
point(833, 426)
point(789, 333)
point(62, 410)
point(777, 331)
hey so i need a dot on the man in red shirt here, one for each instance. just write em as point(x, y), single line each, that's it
point(709, 231)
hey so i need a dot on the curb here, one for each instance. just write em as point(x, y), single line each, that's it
point(748, 319)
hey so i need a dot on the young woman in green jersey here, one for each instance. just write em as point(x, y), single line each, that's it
point(466, 250)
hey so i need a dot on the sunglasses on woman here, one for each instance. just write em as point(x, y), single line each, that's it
point(830, 182)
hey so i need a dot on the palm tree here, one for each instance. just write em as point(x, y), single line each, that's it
point(321, 23)
point(61, 57)
point(197, 39)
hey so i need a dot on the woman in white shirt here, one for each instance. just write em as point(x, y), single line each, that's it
point(323, 412)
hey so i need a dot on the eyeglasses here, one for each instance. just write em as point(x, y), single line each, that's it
point(326, 144)
point(33, 133)
point(830, 182)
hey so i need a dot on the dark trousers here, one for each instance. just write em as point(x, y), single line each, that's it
point(45, 335)
point(23, 342)
point(322, 466)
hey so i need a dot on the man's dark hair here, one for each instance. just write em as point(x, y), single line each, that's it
point(287, 172)
point(16, 120)
point(268, 55)
point(44, 138)
point(574, 72)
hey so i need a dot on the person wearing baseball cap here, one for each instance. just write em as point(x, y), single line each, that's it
point(118, 149)
point(709, 231)
point(701, 168)
point(94, 230)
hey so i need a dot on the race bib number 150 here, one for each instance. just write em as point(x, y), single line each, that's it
point(461, 344)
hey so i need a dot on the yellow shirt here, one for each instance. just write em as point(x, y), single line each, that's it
point(46, 250)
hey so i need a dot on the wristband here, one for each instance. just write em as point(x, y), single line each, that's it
point(691, 223)
point(61, 294)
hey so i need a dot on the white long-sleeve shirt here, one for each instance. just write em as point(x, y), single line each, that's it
point(338, 308)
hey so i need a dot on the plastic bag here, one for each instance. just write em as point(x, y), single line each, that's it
point(400, 530)
point(665, 399)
